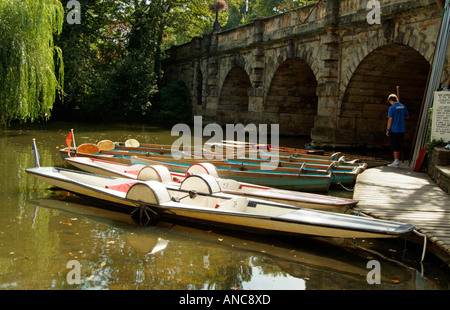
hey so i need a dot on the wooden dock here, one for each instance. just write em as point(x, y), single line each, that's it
point(399, 194)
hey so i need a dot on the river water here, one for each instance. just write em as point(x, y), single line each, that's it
point(46, 235)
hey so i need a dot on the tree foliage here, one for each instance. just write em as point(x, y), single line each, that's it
point(245, 11)
point(29, 77)
point(109, 66)
point(112, 59)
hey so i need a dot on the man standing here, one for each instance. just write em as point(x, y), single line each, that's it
point(396, 127)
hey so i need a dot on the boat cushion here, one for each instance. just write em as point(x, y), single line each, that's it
point(156, 173)
point(238, 204)
point(106, 145)
point(88, 148)
point(132, 143)
point(203, 168)
point(202, 183)
point(151, 192)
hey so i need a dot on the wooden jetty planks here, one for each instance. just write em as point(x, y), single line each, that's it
point(400, 194)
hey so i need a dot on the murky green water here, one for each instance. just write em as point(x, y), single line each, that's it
point(43, 232)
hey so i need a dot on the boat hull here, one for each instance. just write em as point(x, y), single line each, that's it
point(230, 186)
point(277, 218)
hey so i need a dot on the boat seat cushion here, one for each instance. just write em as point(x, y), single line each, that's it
point(88, 148)
point(106, 145)
point(132, 143)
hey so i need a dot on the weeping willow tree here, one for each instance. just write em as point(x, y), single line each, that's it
point(31, 67)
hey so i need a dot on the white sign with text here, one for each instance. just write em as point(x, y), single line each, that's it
point(440, 126)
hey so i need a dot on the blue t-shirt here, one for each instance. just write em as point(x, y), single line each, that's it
point(398, 112)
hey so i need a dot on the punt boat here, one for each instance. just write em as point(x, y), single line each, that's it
point(303, 180)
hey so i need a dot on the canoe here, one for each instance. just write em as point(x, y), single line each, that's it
point(135, 172)
point(199, 199)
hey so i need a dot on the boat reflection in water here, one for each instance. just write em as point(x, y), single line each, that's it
point(179, 256)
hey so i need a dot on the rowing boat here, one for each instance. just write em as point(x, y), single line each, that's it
point(199, 199)
point(138, 172)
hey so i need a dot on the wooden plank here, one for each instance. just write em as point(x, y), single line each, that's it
point(407, 196)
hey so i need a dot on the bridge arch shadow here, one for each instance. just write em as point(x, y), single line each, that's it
point(234, 97)
point(291, 99)
point(363, 113)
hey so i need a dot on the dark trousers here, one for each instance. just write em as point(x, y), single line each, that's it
point(396, 141)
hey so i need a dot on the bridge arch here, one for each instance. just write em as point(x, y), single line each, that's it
point(234, 99)
point(368, 42)
point(291, 99)
point(363, 112)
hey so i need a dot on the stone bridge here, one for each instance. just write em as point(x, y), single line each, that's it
point(321, 70)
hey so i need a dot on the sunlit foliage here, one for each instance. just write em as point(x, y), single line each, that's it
point(29, 76)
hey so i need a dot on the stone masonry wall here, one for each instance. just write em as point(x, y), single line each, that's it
point(320, 70)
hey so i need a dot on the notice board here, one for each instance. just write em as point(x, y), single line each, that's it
point(440, 126)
